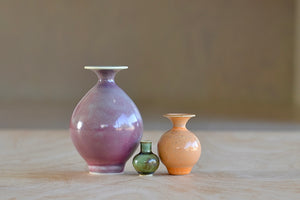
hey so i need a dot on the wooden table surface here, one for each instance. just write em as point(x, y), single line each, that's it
point(233, 165)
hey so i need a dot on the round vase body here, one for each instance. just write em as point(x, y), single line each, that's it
point(146, 162)
point(179, 149)
point(106, 126)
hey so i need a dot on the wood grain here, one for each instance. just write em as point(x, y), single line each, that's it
point(233, 165)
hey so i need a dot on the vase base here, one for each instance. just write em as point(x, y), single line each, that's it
point(100, 173)
point(145, 174)
point(107, 169)
point(179, 171)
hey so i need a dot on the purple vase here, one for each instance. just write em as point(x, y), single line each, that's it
point(106, 126)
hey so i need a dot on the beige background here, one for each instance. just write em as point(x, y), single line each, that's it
point(214, 58)
point(296, 73)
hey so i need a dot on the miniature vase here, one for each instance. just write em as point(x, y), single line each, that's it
point(106, 126)
point(179, 149)
point(146, 162)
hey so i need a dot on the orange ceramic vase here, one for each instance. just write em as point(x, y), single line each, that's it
point(179, 149)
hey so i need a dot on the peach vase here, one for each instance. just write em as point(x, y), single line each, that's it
point(179, 149)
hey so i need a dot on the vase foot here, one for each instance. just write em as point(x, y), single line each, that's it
point(179, 171)
point(145, 174)
point(107, 169)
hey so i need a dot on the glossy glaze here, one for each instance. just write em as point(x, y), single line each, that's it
point(179, 149)
point(106, 126)
point(146, 162)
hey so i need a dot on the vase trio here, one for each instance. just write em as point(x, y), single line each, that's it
point(106, 128)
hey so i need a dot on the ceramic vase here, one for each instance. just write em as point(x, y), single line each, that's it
point(179, 149)
point(146, 162)
point(106, 126)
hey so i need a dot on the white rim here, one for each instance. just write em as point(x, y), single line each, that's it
point(146, 141)
point(179, 115)
point(105, 67)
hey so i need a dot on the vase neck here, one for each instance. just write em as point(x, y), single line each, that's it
point(146, 147)
point(106, 74)
point(179, 120)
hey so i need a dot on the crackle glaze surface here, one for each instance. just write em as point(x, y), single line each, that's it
point(106, 126)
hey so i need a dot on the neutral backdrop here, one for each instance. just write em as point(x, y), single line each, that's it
point(211, 57)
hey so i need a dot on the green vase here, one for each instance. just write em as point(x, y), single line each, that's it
point(146, 162)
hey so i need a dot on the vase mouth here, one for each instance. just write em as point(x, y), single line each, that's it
point(146, 142)
point(106, 67)
point(179, 115)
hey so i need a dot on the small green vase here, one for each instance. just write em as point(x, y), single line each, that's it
point(146, 162)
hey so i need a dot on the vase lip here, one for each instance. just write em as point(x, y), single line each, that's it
point(106, 67)
point(146, 142)
point(179, 115)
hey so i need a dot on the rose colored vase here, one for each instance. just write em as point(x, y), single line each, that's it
point(179, 149)
point(106, 126)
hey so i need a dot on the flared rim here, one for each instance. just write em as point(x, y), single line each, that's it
point(145, 141)
point(179, 115)
point(105, 67)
